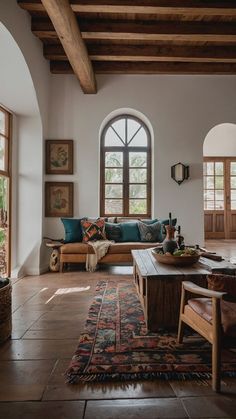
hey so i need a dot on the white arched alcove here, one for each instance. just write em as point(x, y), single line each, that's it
point(18, 94)
point(220, 141)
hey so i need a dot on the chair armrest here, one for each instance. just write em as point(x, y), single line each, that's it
point(195, 289)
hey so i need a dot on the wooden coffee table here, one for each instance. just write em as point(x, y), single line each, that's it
point(159, 285)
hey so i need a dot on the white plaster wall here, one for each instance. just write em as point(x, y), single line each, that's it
point(29, 203)
point(221, 141)
point(181, 109)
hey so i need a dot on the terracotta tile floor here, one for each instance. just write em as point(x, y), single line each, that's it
point(49, 313)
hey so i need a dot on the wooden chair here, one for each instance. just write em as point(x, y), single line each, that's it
point(204, 315)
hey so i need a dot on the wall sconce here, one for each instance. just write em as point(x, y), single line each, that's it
point(179, 172)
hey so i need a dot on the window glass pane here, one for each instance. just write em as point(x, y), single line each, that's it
point(119, 127)
point(209, 182)
point(233, 205)
point(219, 182)
point(219, 195)
point(233, 168)
point(137, 159)
point(204, 168)
point(219, 205)
point(2, 153)
point(233, 195)
point(113, 191)
point(209, 195)
point(114, 159)
point(210, 168)
point(137, 191)
point(111, 139)
point(137, 206)
point(233, 182)
point(113, 206)
point(132, 128)
point(140, 139)
point(138, 175)
point(113, 175)
point(209, 205)
point(219, 168)
point(2, 122)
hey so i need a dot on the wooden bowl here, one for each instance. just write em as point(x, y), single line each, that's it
point(176, 260)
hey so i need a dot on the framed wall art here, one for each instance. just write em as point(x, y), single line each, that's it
point(59, 199)
point(59, 157)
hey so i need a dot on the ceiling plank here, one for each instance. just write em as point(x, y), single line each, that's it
point(67, 29)
point(63, 67)
point(111, 52)
point(187, 8)
point(144, 30)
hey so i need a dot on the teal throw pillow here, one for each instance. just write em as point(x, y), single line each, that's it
point(73, 229)
point(113, 231)
point(130, 232)
point(150, 232)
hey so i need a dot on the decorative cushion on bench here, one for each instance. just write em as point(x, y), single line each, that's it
point(93, 230)
point(150, 232)
point(73, 229)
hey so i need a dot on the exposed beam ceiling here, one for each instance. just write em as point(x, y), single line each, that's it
point(140, 36)
point(67, 29)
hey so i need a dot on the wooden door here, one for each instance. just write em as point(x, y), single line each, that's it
point(230, 198)
point(220, 197)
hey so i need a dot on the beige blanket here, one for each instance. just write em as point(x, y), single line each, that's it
point(100, 248)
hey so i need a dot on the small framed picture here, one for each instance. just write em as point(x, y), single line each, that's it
point(59, 199)
point(59, 157)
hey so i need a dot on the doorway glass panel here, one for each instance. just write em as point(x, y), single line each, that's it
point(214, 186)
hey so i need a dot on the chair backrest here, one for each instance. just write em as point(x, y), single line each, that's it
point(223, 283)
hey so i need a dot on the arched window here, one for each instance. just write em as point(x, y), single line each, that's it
point(126, 168)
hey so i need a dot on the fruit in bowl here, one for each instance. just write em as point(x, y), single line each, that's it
point(188, 251)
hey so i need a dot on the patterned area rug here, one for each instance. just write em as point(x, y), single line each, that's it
point(115, 344)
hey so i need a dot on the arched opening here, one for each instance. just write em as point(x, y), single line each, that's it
point(219, 176)
point(18, 95)
point(125, 177)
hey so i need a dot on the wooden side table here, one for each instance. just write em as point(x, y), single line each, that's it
point(54, 262)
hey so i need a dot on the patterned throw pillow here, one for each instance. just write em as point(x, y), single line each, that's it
point(150, 232)
point(223, 283)
point(93, 230)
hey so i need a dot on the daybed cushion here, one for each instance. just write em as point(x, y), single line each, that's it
point(115, 248)
point(127, 247)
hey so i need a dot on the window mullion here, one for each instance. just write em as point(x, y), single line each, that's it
point(126, 182)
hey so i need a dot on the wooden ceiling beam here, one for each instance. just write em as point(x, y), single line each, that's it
point(144, 31)
point(155, 7)
point(111, 52)
point(63, 67)
point(67, 30)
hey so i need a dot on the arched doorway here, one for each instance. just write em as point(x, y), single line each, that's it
point(18, 95)
point(219, 174)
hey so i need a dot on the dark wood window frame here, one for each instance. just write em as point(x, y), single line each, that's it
point(7, 174)
point(125, 149)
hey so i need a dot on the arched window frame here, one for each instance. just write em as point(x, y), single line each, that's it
point(125, 149)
